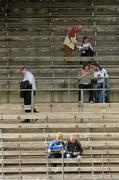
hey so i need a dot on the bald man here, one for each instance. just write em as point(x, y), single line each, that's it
point(73, 148)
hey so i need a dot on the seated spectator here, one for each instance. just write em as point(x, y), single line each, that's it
point(86, 47)
point(85, 77)
point(101, 79)
point(73, 148)
point(71, 42)
point(56, 146)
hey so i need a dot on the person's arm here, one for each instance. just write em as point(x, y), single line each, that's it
point(73, 40)
point(90, 46)
point(91, 76)
point(79, 149)
point(68, 148)
point(95, 78)
point(81, 76)
point(28, 77)
point(50, 146)
point(105, 74)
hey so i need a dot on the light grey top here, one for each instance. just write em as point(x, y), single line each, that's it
point(85, 78)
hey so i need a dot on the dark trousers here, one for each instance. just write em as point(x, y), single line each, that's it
point(86, 86)
point(27, 100)
point(55, 155)
point(88, 52)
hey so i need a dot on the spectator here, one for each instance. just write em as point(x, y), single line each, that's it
point(86, 49)
point(85, 77)
point(71, 42)
point(73, 149)
point(101, 79)
point(30, 84)
point(56, 146)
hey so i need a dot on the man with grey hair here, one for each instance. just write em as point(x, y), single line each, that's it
point(29, 83)
point(73, 148)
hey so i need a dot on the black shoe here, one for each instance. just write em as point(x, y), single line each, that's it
point(26, 121)
point(35, 111)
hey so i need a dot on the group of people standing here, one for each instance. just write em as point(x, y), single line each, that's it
point(88, 78)
point(95, 78)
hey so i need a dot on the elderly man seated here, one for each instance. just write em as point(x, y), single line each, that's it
point(73, 148)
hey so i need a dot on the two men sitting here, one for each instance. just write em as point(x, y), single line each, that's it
point(71, 149)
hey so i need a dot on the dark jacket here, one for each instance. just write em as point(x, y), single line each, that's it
point(74, 147)
point(24, 85)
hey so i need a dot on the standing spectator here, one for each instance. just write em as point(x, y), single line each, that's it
point(71, 42)
point(56, 146)
point(85, 77)
point(73, 149)
point(101, 77)
point(30, 84)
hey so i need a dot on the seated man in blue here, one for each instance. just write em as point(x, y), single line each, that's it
point(56, 146)
point(73, 148)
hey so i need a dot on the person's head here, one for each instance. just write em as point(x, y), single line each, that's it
point(96, 67)
point(72, 138)
point(59, 136)
point(86, 67)
point(80, 28)
point(24, 70)
point(77, 28)
point(86, 39)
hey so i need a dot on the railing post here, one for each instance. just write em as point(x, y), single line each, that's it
point(103, 94)
point(32, 100)
point(69, 92)
point(62, 164)
point(82, 100)
point(20, 155)
point(2, 148)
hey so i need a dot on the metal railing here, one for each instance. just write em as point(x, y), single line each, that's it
point(68, 90)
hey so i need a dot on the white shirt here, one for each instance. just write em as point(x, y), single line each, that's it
point(29, 77)
point(102, 74)
point(86, 46)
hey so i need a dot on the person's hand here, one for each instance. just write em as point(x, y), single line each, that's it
point(49, 150)
point(76, 153)
point(79, 47)
point(86, 73)
point(77, 44)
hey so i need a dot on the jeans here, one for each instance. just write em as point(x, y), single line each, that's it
point(73, 156)
point(102, 95)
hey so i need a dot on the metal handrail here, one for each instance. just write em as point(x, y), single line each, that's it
point(60, 59)
point(60, 89)
point(40, 78)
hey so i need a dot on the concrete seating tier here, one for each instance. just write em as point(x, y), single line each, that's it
point(23, 146)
